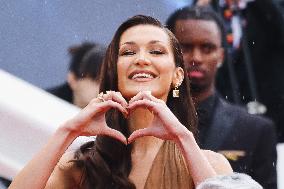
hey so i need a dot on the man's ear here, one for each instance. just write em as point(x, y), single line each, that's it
point(71, 80)
point(178, 76)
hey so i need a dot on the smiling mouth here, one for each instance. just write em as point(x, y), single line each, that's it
point(142, 76)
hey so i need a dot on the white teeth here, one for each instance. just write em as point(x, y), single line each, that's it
point(142, 75)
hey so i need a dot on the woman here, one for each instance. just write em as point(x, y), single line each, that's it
point(146, 140)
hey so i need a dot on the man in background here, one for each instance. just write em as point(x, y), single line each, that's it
point(255, 38)
point(246, 140)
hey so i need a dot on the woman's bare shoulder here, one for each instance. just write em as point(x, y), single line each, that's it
point(219, 163)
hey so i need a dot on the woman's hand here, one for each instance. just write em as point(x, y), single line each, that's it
point(91, 120)
point(165, 125)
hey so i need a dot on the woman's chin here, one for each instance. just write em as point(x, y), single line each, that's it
point(131, 93)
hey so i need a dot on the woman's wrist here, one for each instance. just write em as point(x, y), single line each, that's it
point(184, 137)
point(68, 130)
point(197, 163)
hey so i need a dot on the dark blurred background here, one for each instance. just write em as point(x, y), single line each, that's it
point(35, 35)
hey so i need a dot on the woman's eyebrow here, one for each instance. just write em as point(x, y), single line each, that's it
point(128, 43)
point(133, 43)
point(155, 41)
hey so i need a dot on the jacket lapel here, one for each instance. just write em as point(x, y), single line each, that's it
point(222, 124)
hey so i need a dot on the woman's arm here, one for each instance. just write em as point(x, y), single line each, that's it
point(89, 122)
point(202, 164)
point(36, 173)
point(167, 127)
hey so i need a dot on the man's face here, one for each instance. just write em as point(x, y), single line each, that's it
point(202, 51)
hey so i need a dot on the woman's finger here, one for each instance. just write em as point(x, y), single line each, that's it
point(115, 96)
point(150, 105)
point(119, 95)
point(143, 95)
point(140, 133)
point(105, 106)
point(114, 134)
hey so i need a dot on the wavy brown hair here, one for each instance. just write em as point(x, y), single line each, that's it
point(107, 162)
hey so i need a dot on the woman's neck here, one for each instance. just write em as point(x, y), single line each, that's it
point(141, 118)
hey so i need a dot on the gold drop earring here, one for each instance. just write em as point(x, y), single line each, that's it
point(176, 90)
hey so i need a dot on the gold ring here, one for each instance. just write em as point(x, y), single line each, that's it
point(100, 96)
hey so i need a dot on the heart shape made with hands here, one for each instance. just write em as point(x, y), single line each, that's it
point(159, 127)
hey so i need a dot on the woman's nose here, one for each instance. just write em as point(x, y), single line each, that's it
point(142, 59)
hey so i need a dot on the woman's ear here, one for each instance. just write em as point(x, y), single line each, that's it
point(178, 77)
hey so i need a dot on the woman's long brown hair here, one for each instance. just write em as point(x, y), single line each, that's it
point(106, 163)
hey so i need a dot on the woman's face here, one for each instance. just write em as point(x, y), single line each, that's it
point(146, 62)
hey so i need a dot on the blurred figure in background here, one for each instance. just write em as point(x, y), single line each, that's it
point(83, 77)
point(255, 37)
point(247, 141)
point(4, 183)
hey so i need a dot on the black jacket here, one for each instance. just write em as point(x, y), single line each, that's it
point(247, 141)
point(264, 33)
point(62, 91)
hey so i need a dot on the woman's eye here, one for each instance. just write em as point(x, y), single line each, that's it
point(156, 52)
point(127, 53)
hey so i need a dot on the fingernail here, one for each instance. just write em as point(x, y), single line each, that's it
point(129, 141)
point(130, 100)
point(128, 110)
point(125, 114)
